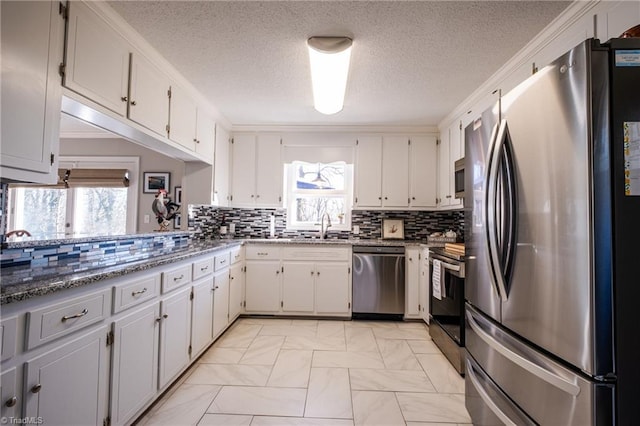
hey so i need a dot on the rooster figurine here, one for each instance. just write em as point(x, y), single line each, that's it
point(164, 209)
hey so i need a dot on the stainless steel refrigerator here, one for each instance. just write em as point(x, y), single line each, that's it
point(552, 182)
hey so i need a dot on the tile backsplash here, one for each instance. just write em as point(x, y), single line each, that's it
point(206, 221)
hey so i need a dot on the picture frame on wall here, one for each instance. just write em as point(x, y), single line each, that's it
point(177, 195)
point(177, 221)
point(393, 229)
point(155, 181)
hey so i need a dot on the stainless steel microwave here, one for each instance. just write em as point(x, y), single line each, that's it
point(459, 178)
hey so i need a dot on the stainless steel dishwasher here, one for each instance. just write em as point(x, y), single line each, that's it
point(378, 282)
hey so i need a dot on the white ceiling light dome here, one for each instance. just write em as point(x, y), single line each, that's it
point(329, 58)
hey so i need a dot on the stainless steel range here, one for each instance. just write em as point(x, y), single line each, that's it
point(446, 304)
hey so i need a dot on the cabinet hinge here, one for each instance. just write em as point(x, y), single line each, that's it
point(190, 350)
point(231, 141)
point(349, 270)
point(280, 141)
point(419, 307)
point(244, 304)
point(409, 200)
point(169, 93)
point(62, 69)
point(409, 142)
point(460, 126)
point(356, 200)
point(191, 295)
point(349, 305)
point(168, 128)
point(52, 159)
point(63, 10)
point(280, 199)
point(282, 268)
point(110, 338)
point(106, 421)
point(281, 304)
point(230, 197)
point(357, 141)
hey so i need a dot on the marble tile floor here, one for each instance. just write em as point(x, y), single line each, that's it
point(267, 371)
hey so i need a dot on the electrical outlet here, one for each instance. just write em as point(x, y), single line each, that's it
point(146, 218)
point(356, 229)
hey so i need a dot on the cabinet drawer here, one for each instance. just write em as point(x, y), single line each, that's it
point(52, 322)
point(202, 267)
point(222, 261)
point(135, 292)
point(237, 255)
point(262, 252)
point(8, 333)
point(176, 277)
point(316, 253)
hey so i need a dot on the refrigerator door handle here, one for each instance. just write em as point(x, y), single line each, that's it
point(486, 398)
point(535, 369)
point(491, 200)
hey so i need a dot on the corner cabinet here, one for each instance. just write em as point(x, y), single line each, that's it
point(32, 38)
point(449, 151)
point(257, 170)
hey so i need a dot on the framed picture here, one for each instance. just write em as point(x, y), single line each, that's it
point(154, 181)
point(177, 221)
point(177, 195)
point(393, 229)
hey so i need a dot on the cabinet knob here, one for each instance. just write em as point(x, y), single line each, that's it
point(11, 402)
point(386, 198)
point(448, 196)
point(133, 103)
point(195, 140)
point(413, 198)
point(257, 196)
point(36, 388)
point(165, 316)
point(311, 272)
point(124, 99)
point(379, 198)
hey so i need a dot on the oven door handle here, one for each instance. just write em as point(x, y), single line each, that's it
point(446, 265)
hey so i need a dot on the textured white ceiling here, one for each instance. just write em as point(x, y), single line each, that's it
point(412, 62)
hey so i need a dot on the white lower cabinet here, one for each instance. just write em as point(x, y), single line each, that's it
point(263, 286)
point(220, 301)
point(236, 290)
point(333, 289)
point(9, 401)
point(134, 375)
point(412, 287)
point(424, 284)
point(175, 335)
point(69, 385)
point(201, 315)
point(298, 282)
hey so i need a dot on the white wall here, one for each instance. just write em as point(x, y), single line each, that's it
point(150, 161)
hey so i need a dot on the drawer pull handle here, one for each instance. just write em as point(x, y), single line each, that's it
point(204, 268)
point(223, 260)
point(36, 388)
point(81, 314)
point(178, 278)
point(11, 402)
point(135, 293)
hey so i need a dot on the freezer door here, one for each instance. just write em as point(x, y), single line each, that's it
point(479, 290)
point(548, 392)
point(550, 294)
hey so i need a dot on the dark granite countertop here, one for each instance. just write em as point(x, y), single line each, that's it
point(24, 282)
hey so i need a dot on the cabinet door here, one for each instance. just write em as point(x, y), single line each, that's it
point(134, 377)
point(369, 172)
point(205, 135)
point(395, 171)
point(69, 385)
point(236, 290)
point(201, 315)
point(10, 403)
point(444, 186)
point(221, 169)
point(424, 285)
point(175, 335)
point(220, 301)
point(97, 60)
point(32, 39)
point(333, 289)
point(298, 287)
point(149, 95)
point(182, 118)
point(262, 287)
point(424, 171)
point(412, 290)
point(243, 178)
point(269, 171)
point(455, 153)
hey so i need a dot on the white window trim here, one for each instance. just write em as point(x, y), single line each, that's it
point(289, 173)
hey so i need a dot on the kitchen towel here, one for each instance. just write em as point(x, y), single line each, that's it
point(435, 279)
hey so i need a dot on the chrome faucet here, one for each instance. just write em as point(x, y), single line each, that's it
point(323, 230)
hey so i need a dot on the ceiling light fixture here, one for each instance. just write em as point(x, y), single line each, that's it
point(329, 58)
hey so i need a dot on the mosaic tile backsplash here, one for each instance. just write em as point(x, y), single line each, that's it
point(206, 221)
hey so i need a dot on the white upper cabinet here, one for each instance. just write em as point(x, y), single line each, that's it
point(149, 95)
point(182, 118)
point(257, 171)
point(369, 172)
point(205, 135)
point(395, 171)
point(97, 63)
point(32, 43)
point(423, 169)
point(221, 169)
